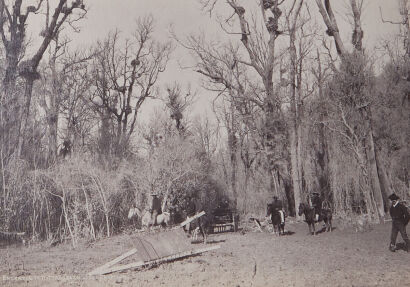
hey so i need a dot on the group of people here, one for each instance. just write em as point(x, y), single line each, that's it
point(315, 202)
point(398, 211)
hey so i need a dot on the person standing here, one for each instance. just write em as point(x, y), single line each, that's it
point(191, 207)
point(190, 210)
point(155, 208)
point(400, 218)
point(316, 204)
point(278, 206)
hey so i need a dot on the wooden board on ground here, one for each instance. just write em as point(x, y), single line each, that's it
point(113, 262)
point(156, 261)
point(153, 248)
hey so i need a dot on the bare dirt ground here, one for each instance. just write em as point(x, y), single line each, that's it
point(341, 258)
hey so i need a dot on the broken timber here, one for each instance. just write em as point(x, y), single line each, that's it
point(192, 218)
point(258, 224)
point(101, 271)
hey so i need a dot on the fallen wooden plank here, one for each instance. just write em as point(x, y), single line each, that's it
point(97, 270)
point(192, 218)
point(156, 261)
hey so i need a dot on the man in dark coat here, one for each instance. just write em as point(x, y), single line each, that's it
point(316, 204)
point(191, 207)
point(190, 210)
point(400, 218)
point(155, 208)
point(278, 206)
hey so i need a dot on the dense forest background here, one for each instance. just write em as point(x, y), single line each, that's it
point(296, 109)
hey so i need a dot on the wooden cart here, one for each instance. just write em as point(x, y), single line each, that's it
point(224, 220)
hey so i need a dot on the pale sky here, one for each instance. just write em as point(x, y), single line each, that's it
point(187, 18)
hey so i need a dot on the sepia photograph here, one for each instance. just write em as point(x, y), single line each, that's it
point(236, 143)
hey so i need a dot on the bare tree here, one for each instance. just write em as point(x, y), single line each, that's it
point(61, 81)
point(259, 46)
point(125, 76)
point(224, 75)
point(295, 102)
point(14, 39)
point(331, 24)
point(364, 108)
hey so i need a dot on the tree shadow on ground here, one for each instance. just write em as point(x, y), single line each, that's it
point(208, 241)
point(323, 230)
point(287, 233)
point(215, 241)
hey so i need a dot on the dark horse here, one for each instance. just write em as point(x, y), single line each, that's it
point(196, 227)
point(278, 227)
point(309, 212)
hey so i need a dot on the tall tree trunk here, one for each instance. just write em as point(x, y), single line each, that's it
point(52, 137)
point(245, 188)
point(233, 149)
point(322, 153)
point(299, 153)
point(374, 176)
point(385, 184)
point(366, 186)
point(294, 165)
point(295, 129)
point(53, 111)
point(322, 159)
point(24, 115)
point(10, 77)
point(52, 122)
point(13, 41)
point(372, 164)
point(10, 107)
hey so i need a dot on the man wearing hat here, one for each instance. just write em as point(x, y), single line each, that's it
point(155, 208)
point(400, 218)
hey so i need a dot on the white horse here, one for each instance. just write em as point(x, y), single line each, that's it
point(163, 219)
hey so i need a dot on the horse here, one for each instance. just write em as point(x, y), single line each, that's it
point(195, 227)
point(163, 219)
point(309, 212)
point(278, 226)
